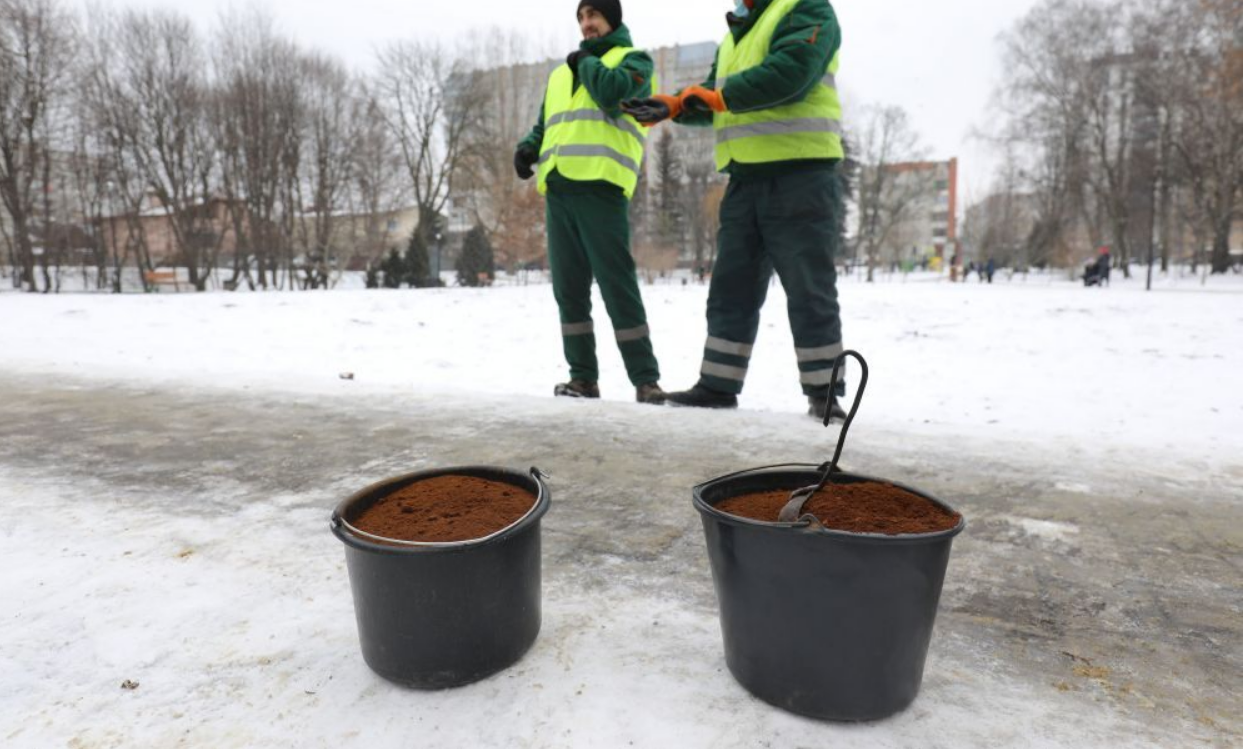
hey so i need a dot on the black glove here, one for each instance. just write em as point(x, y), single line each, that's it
point(646, 111)
point(524, 157)
point(575, 58)
point(696, 105)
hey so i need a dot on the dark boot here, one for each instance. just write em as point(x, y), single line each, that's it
point(702, 397)
point(577, 389)
point(649, 392)
point(818, 404)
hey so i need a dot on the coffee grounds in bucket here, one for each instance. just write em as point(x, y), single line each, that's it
point(446, 508)
point(866, 507)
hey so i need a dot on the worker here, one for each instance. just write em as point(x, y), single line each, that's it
point(588, 154)
point(772, 100)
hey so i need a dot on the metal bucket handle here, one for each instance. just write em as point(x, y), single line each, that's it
point(793, 511)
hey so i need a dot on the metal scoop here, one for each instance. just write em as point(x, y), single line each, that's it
point(793, 511)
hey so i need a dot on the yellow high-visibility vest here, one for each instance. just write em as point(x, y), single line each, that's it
point(808, 129)
point(582, 142)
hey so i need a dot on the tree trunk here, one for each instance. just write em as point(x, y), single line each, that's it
point(1122, 250)
point(25, 253)
point(1221, 246)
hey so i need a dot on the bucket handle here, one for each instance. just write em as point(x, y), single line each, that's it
point(799, 497)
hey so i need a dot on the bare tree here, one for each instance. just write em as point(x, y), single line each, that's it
point(112, 137)
point(37, 40)
point(162, 81)
point(509, 210)
point(378, 188)
point(433, 103)
point(670, 218)
point(90, 172)
point(1129, 107)
point(1201, 77)
point(257, 119)
point(700, 207)
point(332, 116)
point(1074, 78)
point(888, 194)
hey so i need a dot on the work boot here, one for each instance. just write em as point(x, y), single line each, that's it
point(577, 389)
point(817, 405)
point(649, 392)
point(702, 397)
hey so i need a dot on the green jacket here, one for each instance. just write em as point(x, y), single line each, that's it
point(608, 87)
point(802, 46)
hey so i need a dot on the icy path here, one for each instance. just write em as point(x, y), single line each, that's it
point(177, 538)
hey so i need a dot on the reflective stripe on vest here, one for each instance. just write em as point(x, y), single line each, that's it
point(807, 129)
point(583, 143)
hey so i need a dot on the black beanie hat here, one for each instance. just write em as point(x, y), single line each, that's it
point(610, 9)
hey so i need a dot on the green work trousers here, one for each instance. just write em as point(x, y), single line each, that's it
point(785, 223)
point(589, 237)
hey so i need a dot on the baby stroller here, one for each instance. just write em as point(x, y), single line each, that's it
point(1096, 273)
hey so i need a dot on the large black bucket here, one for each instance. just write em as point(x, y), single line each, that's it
point(438, 615)
point(819, 622)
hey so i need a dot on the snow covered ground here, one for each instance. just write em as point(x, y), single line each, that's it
point(168, 462)
point(1042, 362)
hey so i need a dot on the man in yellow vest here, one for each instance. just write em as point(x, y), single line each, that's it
point(772, 99)
point(588, 154)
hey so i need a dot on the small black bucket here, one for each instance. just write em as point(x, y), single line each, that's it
point(439, 615)
point(821, 622)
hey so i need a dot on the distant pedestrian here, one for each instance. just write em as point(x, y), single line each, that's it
point(1097, 273)
point(991, 268)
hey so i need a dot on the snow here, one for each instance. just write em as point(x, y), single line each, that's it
point(1044, 362)
point(1045, 529)
point(247, 639)
point(239, 641)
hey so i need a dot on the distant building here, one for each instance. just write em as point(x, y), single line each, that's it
point(355, 238)
point(929, 227)
point(124, 233)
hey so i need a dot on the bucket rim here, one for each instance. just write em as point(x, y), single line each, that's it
point(359, 539)
point(708, 510)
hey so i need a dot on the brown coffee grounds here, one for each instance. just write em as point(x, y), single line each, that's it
point(446, 508)
point(867, 507)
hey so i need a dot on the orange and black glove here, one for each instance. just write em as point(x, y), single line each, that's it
point(651, 111)
point(700, 99)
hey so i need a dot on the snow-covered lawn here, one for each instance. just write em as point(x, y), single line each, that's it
point(1044, 361)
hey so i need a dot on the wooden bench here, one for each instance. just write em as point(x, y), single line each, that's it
point(161, 278)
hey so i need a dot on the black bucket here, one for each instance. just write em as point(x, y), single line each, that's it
point(820, 622)
point(439, 615)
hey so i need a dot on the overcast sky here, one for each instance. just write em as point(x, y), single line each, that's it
point(938, 60)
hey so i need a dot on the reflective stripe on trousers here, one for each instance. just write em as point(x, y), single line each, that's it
point(577, 328)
